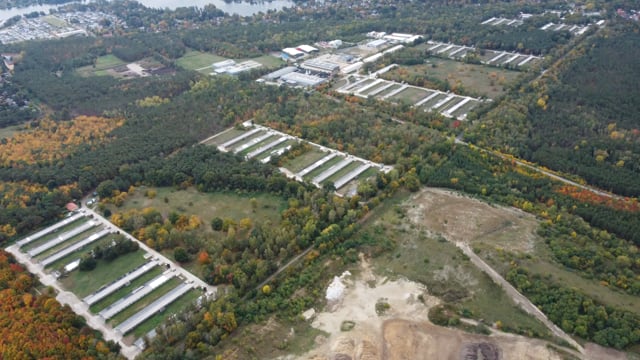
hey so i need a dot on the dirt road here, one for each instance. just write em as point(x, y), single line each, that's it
point(545, 172)
point(517, 297)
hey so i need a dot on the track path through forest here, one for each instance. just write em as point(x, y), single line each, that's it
point(520, 300)
point(544, 172)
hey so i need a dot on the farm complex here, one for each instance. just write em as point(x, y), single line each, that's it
point(126, 296)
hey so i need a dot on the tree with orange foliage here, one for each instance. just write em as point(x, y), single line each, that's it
point(36, 326)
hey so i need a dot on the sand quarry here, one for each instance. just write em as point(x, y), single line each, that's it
point(404, 331)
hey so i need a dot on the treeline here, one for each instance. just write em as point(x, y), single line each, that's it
point(25, 207)
point(152, 132)
point(14, 106)
point(366, 132)
point(141, 45)
point(595, 253)
point(577, 314)
point(9, 4)
point(35, 325)
point(522, 39)
point(117, 248)
point(592, 252)
point(206, 29)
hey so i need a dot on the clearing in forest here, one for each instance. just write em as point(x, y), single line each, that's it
point(206, 206)
point(481, 80)
point(460, 218)
point(199, 61)
point(102, 64)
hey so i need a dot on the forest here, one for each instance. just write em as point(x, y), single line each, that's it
point(114, 136)
point(581, 119)
point(35, 325)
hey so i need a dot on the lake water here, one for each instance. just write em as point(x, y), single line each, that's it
point(240, 8)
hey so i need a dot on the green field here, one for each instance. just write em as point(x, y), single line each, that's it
point(83, 283)
point(258, 145)
point(225, 136)
point(370, 172)
point(134, 284)
point(317, 171)
point(199, 61)
point(280, 146)
point(410, 95)
point(344, 171)
point(9, 131)
point(556, 273)
point(103, 242)
point(54, 234)
point(466, 108)
point(373, 88)
point(54, 21)
point(75, 239)
point(389, 90)
point(235, 146)
point(173, 308)
point(299, 163)
point(434, 100)
point(476, 79)
point(268, 61)
point(208, 205)
point(145, 301)
point(103, 63)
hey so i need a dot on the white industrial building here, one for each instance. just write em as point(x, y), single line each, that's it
point(323, 66)
point(300, 79)
point(294, 53)
point(223, 64)
point(352, 68)
point(335, 43)
point(232, 68)
point(402, 38)
point(279, 73)
point(307, 49)
point(376, 44)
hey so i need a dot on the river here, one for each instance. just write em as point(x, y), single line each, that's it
point(240, 8)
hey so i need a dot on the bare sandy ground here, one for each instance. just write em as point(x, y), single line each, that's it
point(404, 331)
point(463, 219)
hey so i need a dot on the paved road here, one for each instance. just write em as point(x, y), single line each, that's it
point(517, 297)
point(80, 308)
